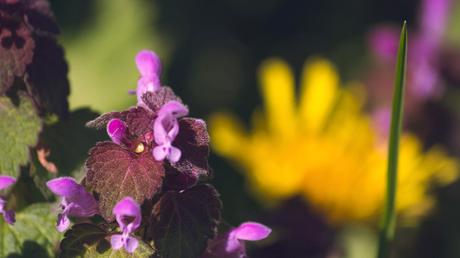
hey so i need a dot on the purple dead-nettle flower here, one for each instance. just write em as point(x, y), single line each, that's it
point(232, 243)
point(116, 129)
point(165, 129)
point(76, 201)
point(128, 215)
point(6, 181)
point(149, 66)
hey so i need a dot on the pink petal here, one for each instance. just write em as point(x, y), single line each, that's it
point(131, 244)
point(175, 108)
point(128, 207)
point(433, 18)
point(148, 63)
point(116, 241)
point(160, 153)
point(64, 186)
point(383, 42)
point(6, 181)
point(116, 130)
point(174, 154)
point(63, 223)
point(252, 231)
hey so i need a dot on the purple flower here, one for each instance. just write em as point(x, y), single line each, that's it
point(76, 201)
point(232, 243)
point(6, 181)
point(116, 130)
point(149, 66)
point(165, 129)
point(423, 76)
point(128, 215)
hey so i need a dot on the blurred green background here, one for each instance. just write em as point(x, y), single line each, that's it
point(211, 50)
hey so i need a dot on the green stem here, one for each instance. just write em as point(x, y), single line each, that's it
point(388, 222)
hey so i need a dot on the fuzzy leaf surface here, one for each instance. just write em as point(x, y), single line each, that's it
point(89, 240)
point(155, 100)
point(114, 172)
point(19, 129)
point(193, 141)
point(183, 222)
point(33, 235)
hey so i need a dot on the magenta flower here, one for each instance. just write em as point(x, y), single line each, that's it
point(8, 216)
point(76, 201)
point(149, 66)
point(423, 76)
point(116, 129)
point(128, 215)
point(232, 244)
point(165, 130)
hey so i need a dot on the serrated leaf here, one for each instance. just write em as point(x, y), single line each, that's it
point(102, 120)
point(183, 222)
point(193, 141)
point(19, 129)
point(33, 235)
point(88, 240)
point(155, 100)
point(114, 172)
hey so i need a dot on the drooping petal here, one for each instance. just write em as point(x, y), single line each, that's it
point(251, 231)
point(318, 93)
point(160, 152)
point(131, 244)
point(127, 208)
point(64, 186)
point(9, 217)
point(6, 181)
point(277, 83)
point(63, 222)
point(116, 241)
point(116, 130)
point(174, 154)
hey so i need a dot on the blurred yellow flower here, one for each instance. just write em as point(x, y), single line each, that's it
point(325, 148)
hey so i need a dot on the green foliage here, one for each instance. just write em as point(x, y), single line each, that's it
point(33, 234)
point(19, 129)
point(183, 222)
point(88, 240)
point(388, 225)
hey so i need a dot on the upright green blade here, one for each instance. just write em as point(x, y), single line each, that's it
point(388, 224)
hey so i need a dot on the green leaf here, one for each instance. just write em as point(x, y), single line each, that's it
point(388, 224)
point(89, 240)
point(66, 144)
point(33, 235)
point(183, 222)
point(19, 129)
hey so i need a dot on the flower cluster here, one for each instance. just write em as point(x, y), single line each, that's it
point(149, 178)
point(8, 215)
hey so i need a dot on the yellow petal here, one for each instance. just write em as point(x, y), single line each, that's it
point(277, 83)
point(227, 135)
point(318, 93)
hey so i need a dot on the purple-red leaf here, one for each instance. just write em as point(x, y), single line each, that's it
point(155, 100)
point(193, 141)
point(101, 121)
point(114, 172)
point(139, 121)
point(183, 222)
